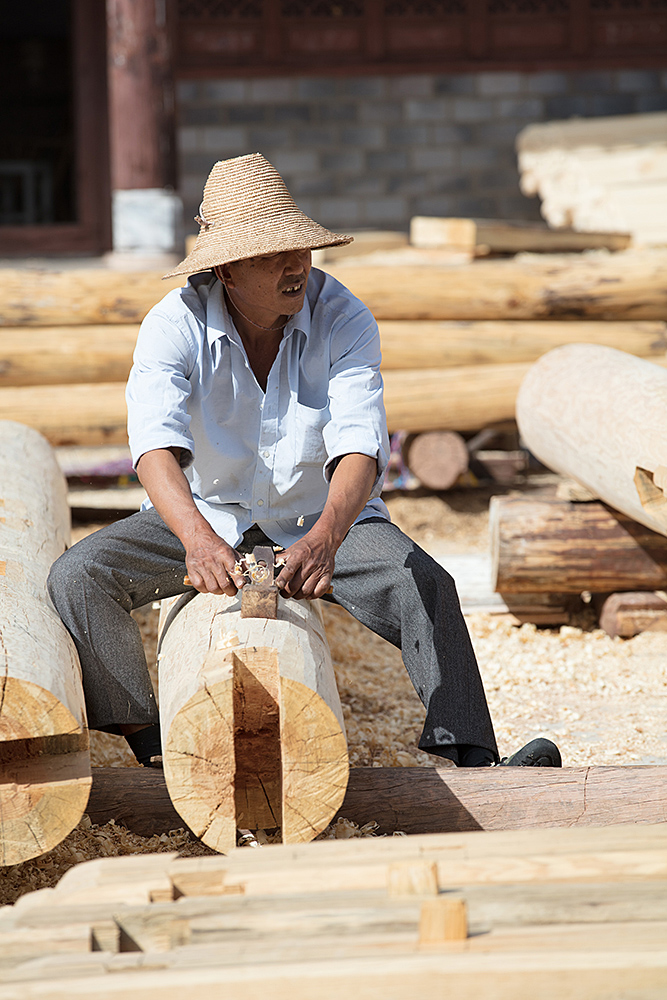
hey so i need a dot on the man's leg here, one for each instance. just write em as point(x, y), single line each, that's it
point(397, 590)
point(93, 586)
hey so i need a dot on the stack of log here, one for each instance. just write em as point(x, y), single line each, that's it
point(569, 913)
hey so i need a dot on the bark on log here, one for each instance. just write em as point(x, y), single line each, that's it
point(627, 285)
point(44, 761)
point(552, 546)
point(253, 732)
point(430, 800)
point(599, 415)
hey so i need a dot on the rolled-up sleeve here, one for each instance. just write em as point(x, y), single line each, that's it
point(357, 417)
point(158, 388)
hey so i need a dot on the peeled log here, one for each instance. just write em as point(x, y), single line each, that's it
point(44, 761)
point(70, 414)
point(557, 547)
point(599, 415)
point(252, 726)
point(626, 285)
point(436, 458)
point(58, 355)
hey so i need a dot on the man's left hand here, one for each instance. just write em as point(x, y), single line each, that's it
point(309, 566)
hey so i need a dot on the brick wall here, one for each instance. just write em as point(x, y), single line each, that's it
point(372, 151)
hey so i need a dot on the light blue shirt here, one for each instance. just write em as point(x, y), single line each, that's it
point(255, 457)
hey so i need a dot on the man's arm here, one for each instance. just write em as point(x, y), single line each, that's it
point(310, 561)
point(209, 559)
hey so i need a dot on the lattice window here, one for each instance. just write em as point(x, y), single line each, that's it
point(323, 8)
point(529, 6)
point(424, 8)
point(215, 9)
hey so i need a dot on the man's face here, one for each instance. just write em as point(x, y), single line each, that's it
point(275, 282)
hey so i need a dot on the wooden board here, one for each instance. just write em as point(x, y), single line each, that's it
point(486, 236)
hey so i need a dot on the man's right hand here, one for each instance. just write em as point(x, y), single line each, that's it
point(210, 562)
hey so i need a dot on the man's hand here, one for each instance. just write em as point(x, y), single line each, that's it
point(210, 562)
point(309, 566)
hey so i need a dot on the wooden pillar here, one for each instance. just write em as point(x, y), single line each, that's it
point(146, 212)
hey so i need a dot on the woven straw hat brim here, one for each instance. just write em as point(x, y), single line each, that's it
point(292, 230)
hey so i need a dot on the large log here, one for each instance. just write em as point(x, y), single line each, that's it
point(58, 355)
point(430, 800)
point(44, 760)
point(599, 415)
point(91, 414)
point(626, 285)
point(253, 732)
point(553, 546)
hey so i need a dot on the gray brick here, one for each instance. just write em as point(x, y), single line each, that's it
point(189, 139)
point(247, 114)
point(469, 109)
point(404, 183)
point(436, 205)
point(364, 136)
point(480, 207)
point(198, 164)
point(366, 184)
point(338, 111)
point(436, 109)
point(338, 211)
point(493, 84)
point(498, 133)
point(388, 160)
point(637, 81)
point(295, 161)
point(317, 135)
point(313, 88)
point(380, 111)
point(547, 83)
point(263, 138)
point(202, 115)
point(309, 206)
point(531, 108)
point(454, 134)
point(402, 87)
point(652, 102)
point(478, 156)
point(433, 159)
point(506, 181)
point(515, 206)
point(663, 79)
point(187, 90)
point(310, 184)
point(455, 84)
point(224, 90)
point(612, 104)
point(384, 210)
point(191, 188)
point(450, 183)
point(224, 141)
point(292, 113)
point(363, 86)
point(271, 89)
point(567, 106)
point(408, 135)
point(343, 161)
point(592, 82)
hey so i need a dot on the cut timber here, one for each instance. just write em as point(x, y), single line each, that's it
point(421, 800)
point(253, 732)
point(63, 354)
point(450, 343)
point(485, 236)
point(626, 285)
point(30, 297)
point(629, 614)
point(602, 173)
point(437, 458)
point(70, 414)
point(44, 762)
point(553, 546)
point(599, 416)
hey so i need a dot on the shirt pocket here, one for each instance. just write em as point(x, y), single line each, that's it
point(309, 424)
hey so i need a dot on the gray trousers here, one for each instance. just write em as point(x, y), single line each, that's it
point(382, 578)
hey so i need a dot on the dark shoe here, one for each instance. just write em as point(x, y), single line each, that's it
point(537, 753)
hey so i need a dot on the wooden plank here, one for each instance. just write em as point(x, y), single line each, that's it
point(502, 236)
point(631, 613)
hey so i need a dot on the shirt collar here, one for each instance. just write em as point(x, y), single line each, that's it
point(219, 323)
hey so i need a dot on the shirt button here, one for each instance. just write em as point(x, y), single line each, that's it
point(260, 503)
point(265, 454)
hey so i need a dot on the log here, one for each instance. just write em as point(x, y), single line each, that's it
point(44, 760)
point(72, 354)
point(419, 800)
point(436, 458)
point(253, 732)
point(622, 286)
point(599, 415)
point(552, 546)
point(451, 343)
point(631, 613)
point(484, 236)
point(70, 414)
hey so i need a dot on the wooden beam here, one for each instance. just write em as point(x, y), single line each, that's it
point(554, 546)
point(44, 762)
point(253, 732)
point(599, 415)
point(484, 236)
point(631, 613)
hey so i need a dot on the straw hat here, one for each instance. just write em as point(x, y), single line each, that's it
point(247, 211)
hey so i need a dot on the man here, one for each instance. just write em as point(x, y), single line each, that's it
point(255, 415)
